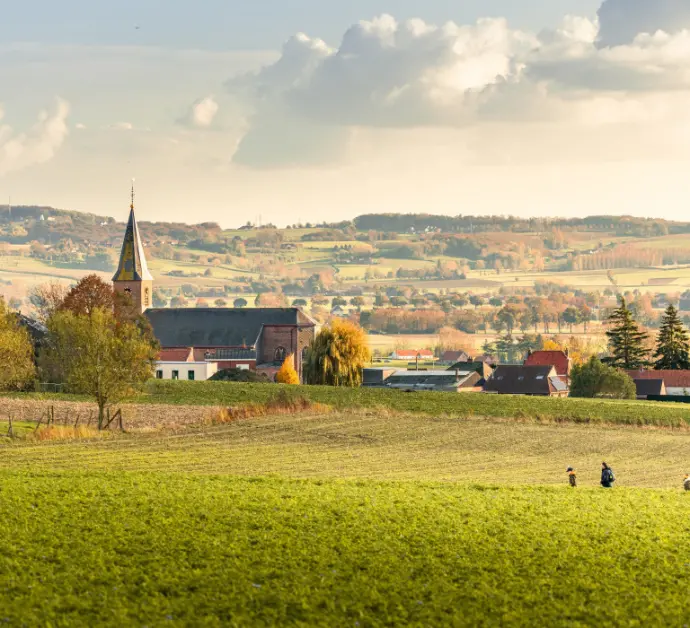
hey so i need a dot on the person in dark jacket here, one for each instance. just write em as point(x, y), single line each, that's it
point(572, 477)
point(607, 477)
point(686, 482)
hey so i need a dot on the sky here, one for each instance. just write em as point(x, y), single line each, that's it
point(290, 111)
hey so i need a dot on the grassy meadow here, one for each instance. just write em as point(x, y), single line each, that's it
point(346, 519)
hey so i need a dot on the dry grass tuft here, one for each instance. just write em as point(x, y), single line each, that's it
point(281, 404)
point(60, 432)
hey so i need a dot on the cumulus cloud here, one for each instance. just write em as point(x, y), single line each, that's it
point(202, 113)
point(390, 74)
point(623, 20)
point(36, 146)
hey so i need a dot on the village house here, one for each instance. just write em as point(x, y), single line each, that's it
point(560, 360)
point(676, 383)
point(534, 381)
point(257, 339)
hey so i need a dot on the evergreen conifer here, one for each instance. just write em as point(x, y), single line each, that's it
point(626, 341)
point(672, 344)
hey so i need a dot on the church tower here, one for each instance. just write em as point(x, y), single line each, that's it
point(132, 277)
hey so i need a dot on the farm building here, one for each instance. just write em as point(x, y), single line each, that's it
point(438, 381)
point(676, 383)
point(483, 368)
point(259, 339)
point(646, 387)
point(535, 381)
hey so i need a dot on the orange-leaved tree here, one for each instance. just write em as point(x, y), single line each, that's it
point(287, 373)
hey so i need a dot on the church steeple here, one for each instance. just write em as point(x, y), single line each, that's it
point(133, 276)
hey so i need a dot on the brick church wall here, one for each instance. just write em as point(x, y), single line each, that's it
point(292, 339)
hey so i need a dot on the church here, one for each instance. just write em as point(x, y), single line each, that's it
point(197, 342)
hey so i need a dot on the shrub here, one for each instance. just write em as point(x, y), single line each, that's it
point(287, 373)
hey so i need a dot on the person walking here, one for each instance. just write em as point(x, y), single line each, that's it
point(607, 477)
point(572, 477)
point(686, 483)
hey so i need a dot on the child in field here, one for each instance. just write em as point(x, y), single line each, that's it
point(686, 483)
point(572, 477)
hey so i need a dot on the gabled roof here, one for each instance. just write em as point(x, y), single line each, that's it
point(219, 327)
point(672, 379)
point(181, 354)
point(646, 387)
point(455, 356)
point(223, 354)
point(132, 265)
point(523, 380)
point(558, 359)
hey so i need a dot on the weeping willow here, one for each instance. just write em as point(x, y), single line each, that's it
point(337, 355)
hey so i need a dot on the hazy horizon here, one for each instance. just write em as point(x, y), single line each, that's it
point(300, 111)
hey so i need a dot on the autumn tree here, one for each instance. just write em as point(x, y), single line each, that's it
point(672, 345)
point(337, 355)
point(99, 356)
point(16, 352)
point(287, 373)
point(47, 298)
point(89, 294)
point(626, 340)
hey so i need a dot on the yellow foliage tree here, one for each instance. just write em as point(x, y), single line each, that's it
point(16, 352)
point(287, 373)
point(337, 355)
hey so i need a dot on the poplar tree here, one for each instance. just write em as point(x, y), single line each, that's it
point(672, 344)
point(626, 340)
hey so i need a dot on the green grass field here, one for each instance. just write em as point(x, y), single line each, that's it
point(345, 520)
point(539, 409)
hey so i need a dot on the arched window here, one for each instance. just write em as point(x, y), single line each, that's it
point(305, 353)
point(280, 354)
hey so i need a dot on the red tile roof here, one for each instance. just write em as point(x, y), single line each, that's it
point(557, 359)
point(411, 355)
point(672, 379)
point(180, 354)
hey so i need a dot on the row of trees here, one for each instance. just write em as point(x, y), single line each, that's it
point(631, 347)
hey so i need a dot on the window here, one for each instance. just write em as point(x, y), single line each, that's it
point(176, 374)
point(243, 367)
point(280, 354)
point(190, 376)
point(159, 374)
point(147, 295)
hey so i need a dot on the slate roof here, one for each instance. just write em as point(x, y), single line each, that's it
point(132, 266)
point(646, 387)
point(525, 380)
point(226, 354)
point(432, 380)
point(455, 356)
point(219, 327)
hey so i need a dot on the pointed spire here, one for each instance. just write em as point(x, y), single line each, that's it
point(132, 266)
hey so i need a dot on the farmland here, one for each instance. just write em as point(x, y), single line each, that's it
point(345, 519)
